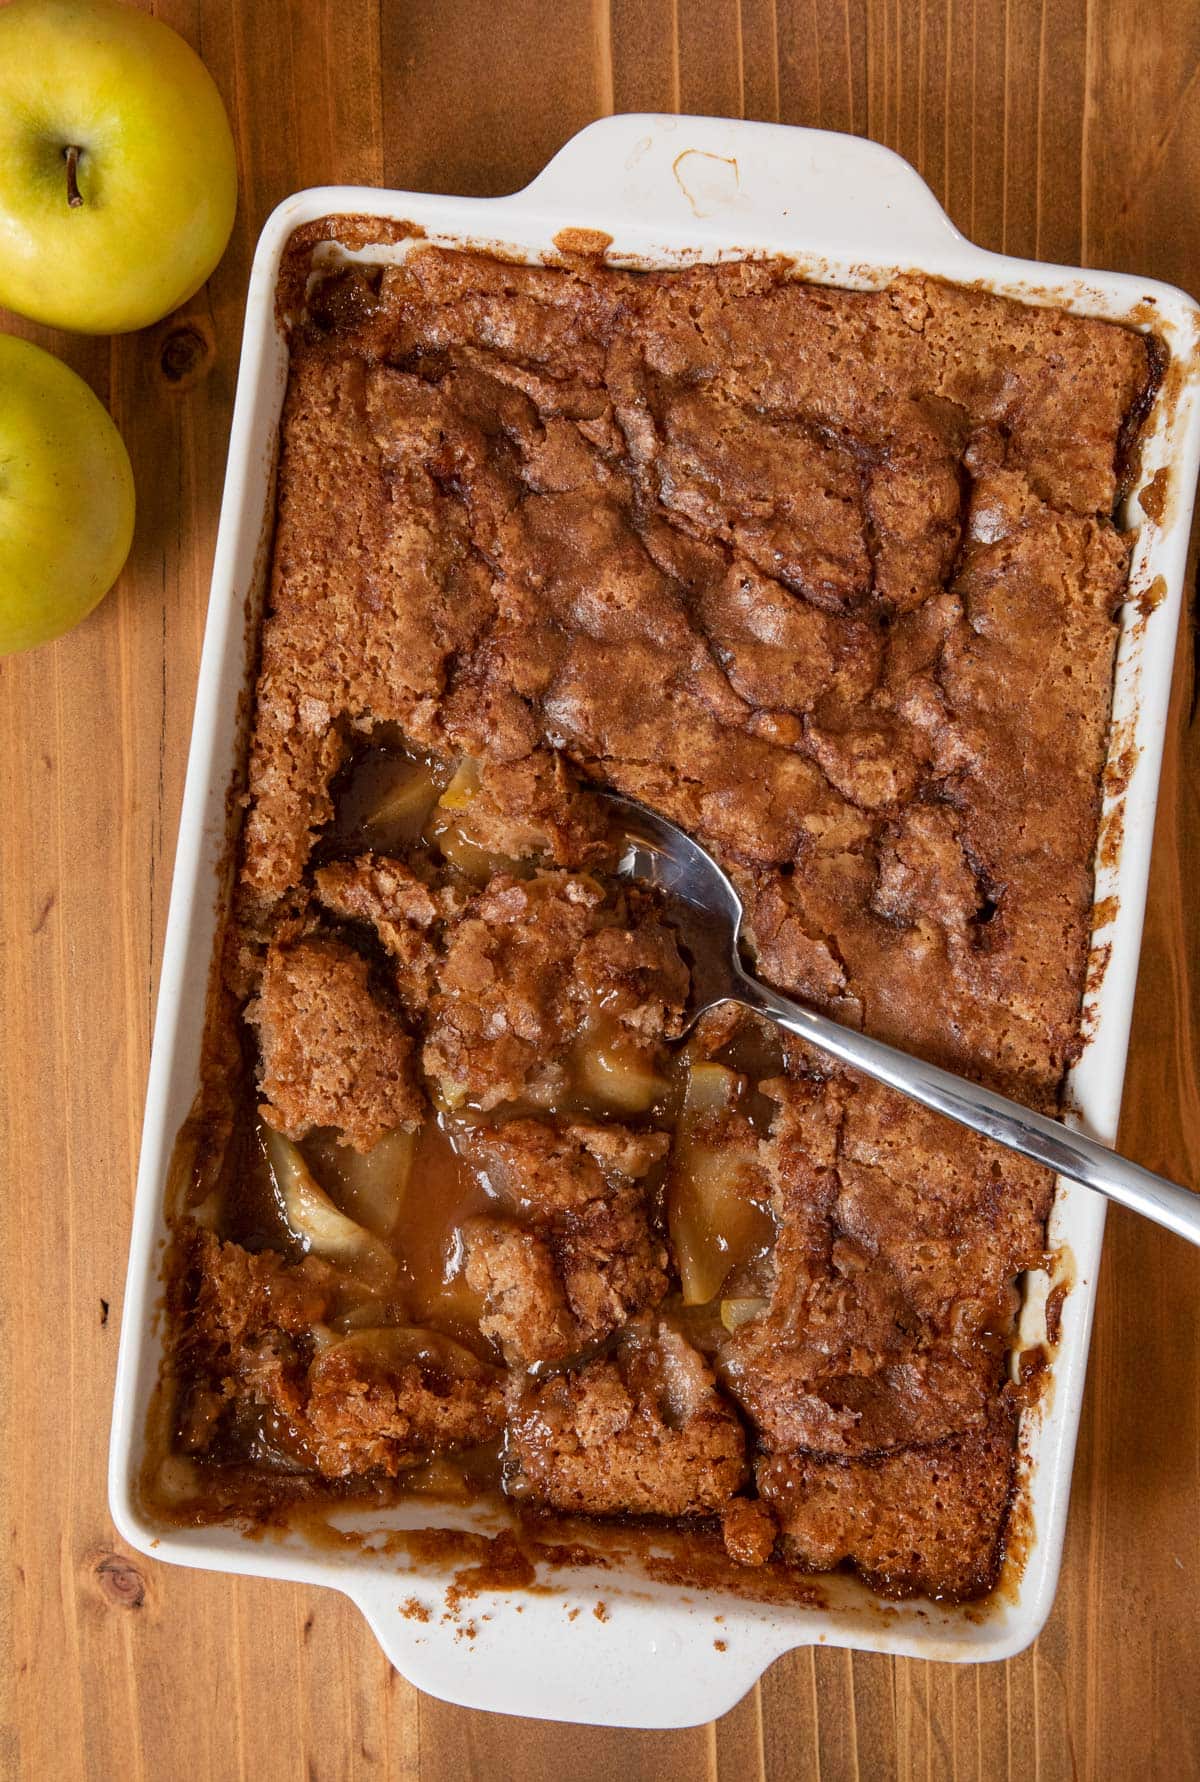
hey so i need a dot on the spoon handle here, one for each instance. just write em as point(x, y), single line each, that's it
point(1066, 1152)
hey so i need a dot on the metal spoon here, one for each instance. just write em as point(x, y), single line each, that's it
point(659, 854)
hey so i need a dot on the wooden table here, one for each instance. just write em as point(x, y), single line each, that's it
point(1066, 129)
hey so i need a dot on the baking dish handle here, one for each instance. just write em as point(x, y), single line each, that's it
point(642, 171)
point(625, 1662)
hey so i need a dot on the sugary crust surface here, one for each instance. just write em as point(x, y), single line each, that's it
point(366, 1417)
point(644, 1434)
point(748, 1530)
point(924, 1519)
point(533, 807)
point(333, 1054)
point(252, 1355)
point(892, 1296)
point(522, 972)
point(388, 897)
point(576, 1255)
point(828, 577)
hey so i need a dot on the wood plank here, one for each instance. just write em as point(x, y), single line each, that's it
point(1061, 127)
point(476, 99)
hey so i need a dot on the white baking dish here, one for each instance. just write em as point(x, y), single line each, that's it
point(666, 190)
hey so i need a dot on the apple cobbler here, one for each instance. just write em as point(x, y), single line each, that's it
point(831, 579)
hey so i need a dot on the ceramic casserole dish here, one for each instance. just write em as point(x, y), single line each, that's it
point(669, 191)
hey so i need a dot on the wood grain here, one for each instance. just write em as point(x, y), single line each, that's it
point(1068, 129)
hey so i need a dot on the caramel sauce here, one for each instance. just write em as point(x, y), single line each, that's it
point(383, 798)
point(439, 1193)
point(392, 798)
point(413, 1193)
point(250, 1211)
point(442, 1193)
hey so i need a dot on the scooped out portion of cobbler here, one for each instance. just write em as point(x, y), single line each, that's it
point(830, 578)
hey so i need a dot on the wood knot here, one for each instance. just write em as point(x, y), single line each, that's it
point(186, 353)
point(121, 1584)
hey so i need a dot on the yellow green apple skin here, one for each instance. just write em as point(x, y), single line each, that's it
point(154, 174)
point(66, 497)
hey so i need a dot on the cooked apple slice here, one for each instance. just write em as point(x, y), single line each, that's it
point(442, 1476)
point(464, 784)
point(736, 1312)
point(369, 1186)
point(710, 1089)
point(404, 791)
point(444, 829)
point(455, 846)
point(714, 1220)
point(620, 1076)
point(314, 1219)
point(449, 830)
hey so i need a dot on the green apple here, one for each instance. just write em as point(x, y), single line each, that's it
point(118, 180)
point(66, 497)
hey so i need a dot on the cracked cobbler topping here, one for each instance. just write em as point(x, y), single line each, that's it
point(831, 579)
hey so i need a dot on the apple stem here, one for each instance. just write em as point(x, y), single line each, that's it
point(74, 195)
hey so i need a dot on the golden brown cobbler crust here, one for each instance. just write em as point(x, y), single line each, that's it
point(831, 579)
